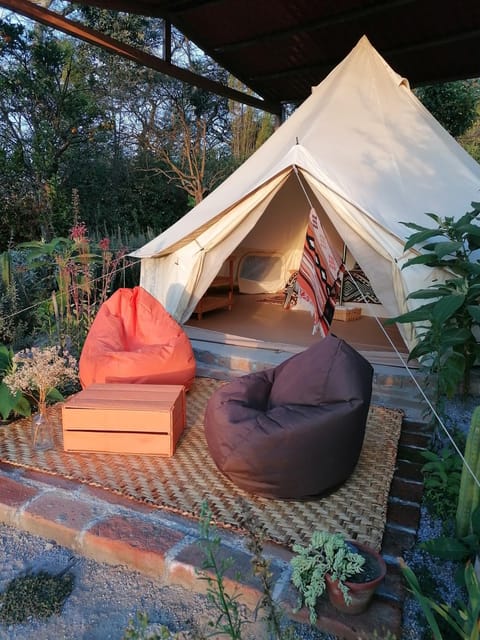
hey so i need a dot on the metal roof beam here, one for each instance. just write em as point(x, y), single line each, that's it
point(56, 21)
point(326, 67)
point(327, 22)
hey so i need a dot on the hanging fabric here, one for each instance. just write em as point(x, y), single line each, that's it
point(319, 275)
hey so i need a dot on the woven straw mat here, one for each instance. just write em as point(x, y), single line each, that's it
point(180, 484)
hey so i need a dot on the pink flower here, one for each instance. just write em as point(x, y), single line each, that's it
point(78, 233)
point(104, 244)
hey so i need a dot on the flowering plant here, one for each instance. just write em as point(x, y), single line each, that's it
point(37, 372)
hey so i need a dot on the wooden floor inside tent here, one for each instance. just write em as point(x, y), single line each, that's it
point(254, 317)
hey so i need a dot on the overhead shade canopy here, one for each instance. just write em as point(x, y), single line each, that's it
point(280, 48)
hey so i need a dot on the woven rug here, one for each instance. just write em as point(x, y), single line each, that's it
point(180, 484)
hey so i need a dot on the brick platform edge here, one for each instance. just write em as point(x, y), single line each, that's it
point(109, 528)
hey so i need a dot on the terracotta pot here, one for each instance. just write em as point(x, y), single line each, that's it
point(360, 592)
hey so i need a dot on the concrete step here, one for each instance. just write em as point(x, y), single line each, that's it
point(393, 386)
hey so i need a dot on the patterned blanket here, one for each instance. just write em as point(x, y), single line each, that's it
point(319, 276)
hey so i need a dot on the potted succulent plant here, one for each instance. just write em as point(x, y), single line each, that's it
point(347, 570)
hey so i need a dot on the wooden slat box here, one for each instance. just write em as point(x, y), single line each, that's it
point(347, 313)
point(125, 418)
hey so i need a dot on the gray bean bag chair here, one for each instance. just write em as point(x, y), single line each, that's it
point(294, 431)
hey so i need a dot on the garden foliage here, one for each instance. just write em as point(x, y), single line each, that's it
point(448, 322)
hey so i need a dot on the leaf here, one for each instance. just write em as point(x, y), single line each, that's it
point(420, 236)
point(446, 548)
point(424, 602)
point(421, 349)
point(430, 455)
point(22, 406)
point(5, 358)
point(55, 395)
point(445, 248)
point(413, 225)
point(469, 228)
point(473, 291)
point(452, 337)
point(417, 315)
point(435, 218)
point(472, 268)
point(7, 401)
point(429, 259)
point(474, 312)
point(446, 308)
point(476, 521)
point(465, 220)
point(423, 294)
point(452, 372)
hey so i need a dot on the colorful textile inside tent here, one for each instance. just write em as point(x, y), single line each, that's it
point(319, 276)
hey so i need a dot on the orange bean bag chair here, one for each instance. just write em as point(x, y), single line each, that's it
point(133, 339)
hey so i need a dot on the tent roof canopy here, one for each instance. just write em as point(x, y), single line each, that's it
point(280, 48)
point(363, 135)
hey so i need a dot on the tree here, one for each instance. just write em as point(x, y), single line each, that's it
point(189, 133)
point(45, 109)
point(250, 128)
point(70, 122)
point(453, 104)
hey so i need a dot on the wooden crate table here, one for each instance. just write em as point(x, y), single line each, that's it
point(346, 314)
point(125, 418)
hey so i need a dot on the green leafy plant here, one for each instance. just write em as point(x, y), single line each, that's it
point(78, 276)
point(231, 615)
point(138, 629)
point(469, 495)
point(441, 482)
point(272, 614)
point(456, 548)
point(37, 595)
point(446, 324)
point(11, 402)
point(326, 553)
point(12, 319)
point(462, 617)
point(453, 104)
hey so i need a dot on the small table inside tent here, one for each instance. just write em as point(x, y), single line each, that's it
point(219, 295)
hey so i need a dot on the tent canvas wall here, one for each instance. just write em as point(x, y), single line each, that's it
point(364, 151)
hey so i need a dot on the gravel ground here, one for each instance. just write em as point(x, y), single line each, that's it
point(458, 413)
point(104, 597)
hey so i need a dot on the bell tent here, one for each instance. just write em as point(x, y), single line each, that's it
point(363, 153)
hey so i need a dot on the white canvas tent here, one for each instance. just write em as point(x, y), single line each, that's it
point(364, 151)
